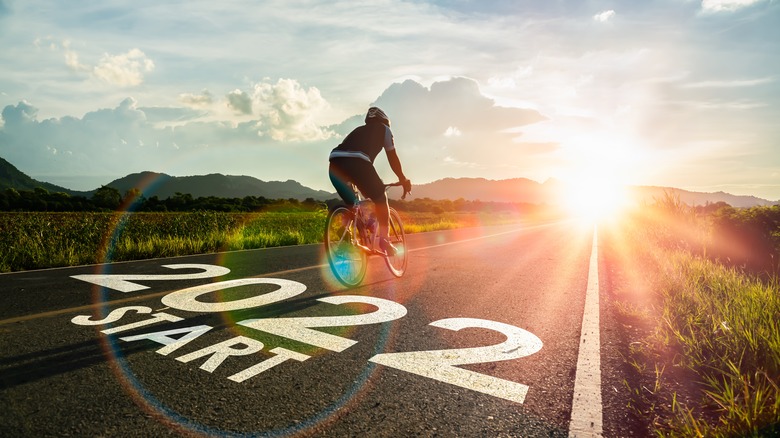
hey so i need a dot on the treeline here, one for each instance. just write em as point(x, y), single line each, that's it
point(110, 199)
point(747, 238)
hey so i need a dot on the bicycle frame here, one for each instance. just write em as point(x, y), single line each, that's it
point(365, 240)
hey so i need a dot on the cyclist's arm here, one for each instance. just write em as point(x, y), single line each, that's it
point(395, 164)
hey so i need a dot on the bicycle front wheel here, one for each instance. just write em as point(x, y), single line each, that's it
point(347, 261)
point(397, 263)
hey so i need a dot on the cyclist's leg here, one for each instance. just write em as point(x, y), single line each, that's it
point(370, 184)
point(341, 176)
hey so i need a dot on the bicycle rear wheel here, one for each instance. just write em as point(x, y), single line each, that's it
point(347, 261)
point(397, 263)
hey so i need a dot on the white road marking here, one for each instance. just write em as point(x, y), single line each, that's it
point(586, 415)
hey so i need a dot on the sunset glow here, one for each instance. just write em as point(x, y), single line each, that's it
point(675, 94)
point(593, 198)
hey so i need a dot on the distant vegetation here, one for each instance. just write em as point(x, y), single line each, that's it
point(107, 199)
point(42, 229)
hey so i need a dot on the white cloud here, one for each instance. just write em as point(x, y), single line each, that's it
point(72, 59)
point(739, 83)
point(239, 101)
point(726, 5)
point(202, 100)
point(123, 70)
point(604, 16)
point(281, 140)
point(289, 112)
point(452, 131)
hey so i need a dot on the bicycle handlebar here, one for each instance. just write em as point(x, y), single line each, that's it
point(397, 184)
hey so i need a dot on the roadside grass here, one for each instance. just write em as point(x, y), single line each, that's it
point(726, 325)
point(704, 346)
point(38, 240)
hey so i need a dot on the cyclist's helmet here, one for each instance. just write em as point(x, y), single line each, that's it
point(375, 113)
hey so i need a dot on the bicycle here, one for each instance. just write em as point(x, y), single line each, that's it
point(351, 235)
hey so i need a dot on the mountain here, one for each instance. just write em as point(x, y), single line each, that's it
point(164, 186)
point(226, 186)
point(472, 189)
point(528, 191)
point(649, 193)
point(13, 178)
point(217, 185)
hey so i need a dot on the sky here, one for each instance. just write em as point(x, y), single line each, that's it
point(678, 93)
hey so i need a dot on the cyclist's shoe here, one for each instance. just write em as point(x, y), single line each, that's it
point(386, 248)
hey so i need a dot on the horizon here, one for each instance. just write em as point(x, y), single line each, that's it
point(668, 94)
point(626, 198)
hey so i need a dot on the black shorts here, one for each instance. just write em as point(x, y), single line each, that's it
point(344, 171)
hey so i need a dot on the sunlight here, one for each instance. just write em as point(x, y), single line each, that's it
point(594, 187)
point(594, 197)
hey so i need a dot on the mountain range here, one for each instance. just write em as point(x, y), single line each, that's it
point(227, 186)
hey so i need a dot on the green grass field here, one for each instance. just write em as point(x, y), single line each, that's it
point(36, 240)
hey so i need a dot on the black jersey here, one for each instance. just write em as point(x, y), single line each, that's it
point(365, 142)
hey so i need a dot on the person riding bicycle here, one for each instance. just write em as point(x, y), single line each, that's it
point(353, 162)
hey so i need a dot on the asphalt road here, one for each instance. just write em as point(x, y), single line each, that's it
point(143, 349)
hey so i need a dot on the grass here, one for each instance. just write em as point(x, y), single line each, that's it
point(706, 359)
point(43, 240)
point(726, 325)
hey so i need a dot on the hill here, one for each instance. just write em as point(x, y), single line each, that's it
point(217, 185)
point(648, 193)
point(528, 191)
point(472, 189)
point(226, 186)
point(13, 178)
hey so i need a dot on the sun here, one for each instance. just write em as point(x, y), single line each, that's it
point(594, 197)
point(594, 173)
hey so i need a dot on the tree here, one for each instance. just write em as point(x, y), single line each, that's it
point(133, 199)
point(107, 197)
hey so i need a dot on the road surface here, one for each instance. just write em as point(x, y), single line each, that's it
point(481, 337)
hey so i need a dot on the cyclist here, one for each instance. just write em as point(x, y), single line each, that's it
point(353, 162)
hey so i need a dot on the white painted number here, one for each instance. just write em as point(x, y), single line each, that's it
point(300, 329)
point(441, 364)
point(185, 299)
point(123, 282)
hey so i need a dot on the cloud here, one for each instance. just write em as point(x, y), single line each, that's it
point(202, 100)
point(439, 129)
point(740, 83)
point(726, 5)
point(165, 116)
point(123, 70)
point(452, 131)
point(71, 58)
point(455, 102)
point(289, 111)
point(450, 125)
point(604, 16)
point(239, 102)
point(20, 114)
